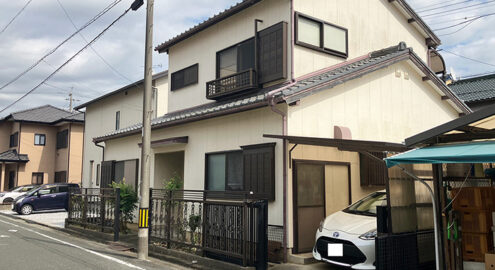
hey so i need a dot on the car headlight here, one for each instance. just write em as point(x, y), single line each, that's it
point(320, 228)
point(370, 235)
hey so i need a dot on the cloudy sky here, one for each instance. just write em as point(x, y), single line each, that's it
point(116, 59)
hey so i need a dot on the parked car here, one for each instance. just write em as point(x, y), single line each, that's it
point(45, 197)
point(346, 238)
point(10, 196)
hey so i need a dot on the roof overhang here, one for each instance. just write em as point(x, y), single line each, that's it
point(472, 152)
point(479, 125)
point(343, 145)
point(168, 141)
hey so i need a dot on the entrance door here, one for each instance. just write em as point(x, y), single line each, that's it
point(11, 180)
point(309, 203)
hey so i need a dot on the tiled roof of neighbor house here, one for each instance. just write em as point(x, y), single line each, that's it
point(411, 14)
point(12, 156)
point(321, 80)
point(46, 114)
point(156, 76)
point(475, 89)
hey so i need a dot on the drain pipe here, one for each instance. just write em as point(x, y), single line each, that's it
point(437, 251)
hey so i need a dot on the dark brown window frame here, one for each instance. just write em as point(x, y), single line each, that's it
point(174, 88)
point(217, 57)
point(14, 139)
point(41, 136)
point(37, 174)
point(117, 120)
point(226, 166)
point(64, 173)
point(61, 145)
point(321, 48)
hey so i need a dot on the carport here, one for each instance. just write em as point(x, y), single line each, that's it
point(461, 152)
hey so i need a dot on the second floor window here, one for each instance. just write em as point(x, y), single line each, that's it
point(62, 139)
point(14, 139)
point(320, 35)
point(39, 139)
point(235, 59)
point(37, 178)
point(184, 77)
point(61, 177)
point(117, 120)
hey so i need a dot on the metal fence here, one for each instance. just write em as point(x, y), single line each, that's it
point(95, 208)
point(226, 226)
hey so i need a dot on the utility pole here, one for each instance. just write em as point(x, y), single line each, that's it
point(146, 137)
point(71, 100)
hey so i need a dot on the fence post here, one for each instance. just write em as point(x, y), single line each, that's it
point(69, 208)
point(116, 220)
point(150, 216)
point(244, 234)
point(203, 226)
point(168, 213)
point(85, 210)
point(102, 209)
point(262, 241)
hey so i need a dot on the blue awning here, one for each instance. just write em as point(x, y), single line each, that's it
point(475, 152)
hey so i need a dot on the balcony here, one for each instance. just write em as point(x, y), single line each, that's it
point(231, 84)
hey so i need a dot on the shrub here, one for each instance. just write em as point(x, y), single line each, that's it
point(128, 200)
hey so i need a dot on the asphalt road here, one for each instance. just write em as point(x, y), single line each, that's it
point(29, 246)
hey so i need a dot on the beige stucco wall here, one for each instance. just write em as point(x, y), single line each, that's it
point(41, 158)
point(372, 25)
point(5, 129)
point(202, 48)
point(100, 120)
point(213, 135)
point(76, 153)
point(378, 106)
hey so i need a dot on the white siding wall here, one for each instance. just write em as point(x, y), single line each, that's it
point(213, 135)
point(372, 25)
point(100, 120)
point(202, 48)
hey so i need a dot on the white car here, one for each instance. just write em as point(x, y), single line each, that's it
point(347, 238)
point(10, 196)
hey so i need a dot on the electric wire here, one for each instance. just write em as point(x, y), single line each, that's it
point(435, 4)
point(66, 62)
point(91, 47)
point(452, 11)
point(475, 60)
point(101, 13)
point(468, 21)
point(16, 15)
point(444, 6)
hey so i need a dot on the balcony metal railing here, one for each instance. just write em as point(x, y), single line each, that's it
point(234, 83)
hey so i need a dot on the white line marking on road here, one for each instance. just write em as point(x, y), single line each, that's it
point(76, 246)
point(12, 230)
point(4, 236)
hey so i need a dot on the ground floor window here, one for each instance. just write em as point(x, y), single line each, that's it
point(37, 178)
point(224, 171)
point(61, 177)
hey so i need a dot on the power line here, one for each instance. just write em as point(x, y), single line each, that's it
point(66, 62)
point(444, 6)
point(468, 21)
point(18, 13)
point(435, 4)
point(462, 56)
point(451, 33)
point(63, 42)
point(91, 47)
point(457, 9)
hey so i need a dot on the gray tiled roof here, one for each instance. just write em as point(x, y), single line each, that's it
point(475, 89)
point(289, 93)
point(46, 114)
point(12, 156)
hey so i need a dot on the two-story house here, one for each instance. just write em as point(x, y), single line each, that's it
point(39, 146)
point(113, 111)
point(278, 97)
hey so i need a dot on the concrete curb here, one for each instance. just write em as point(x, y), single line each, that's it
point(168, 255)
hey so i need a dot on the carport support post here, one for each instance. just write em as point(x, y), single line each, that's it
point(435, 225)
point(2, 179)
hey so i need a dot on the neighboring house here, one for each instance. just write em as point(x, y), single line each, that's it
point(41, 145)
point(113, 111)
point(476, 92)
point(271, 118)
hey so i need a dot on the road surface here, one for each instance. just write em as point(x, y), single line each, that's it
point(30, 247)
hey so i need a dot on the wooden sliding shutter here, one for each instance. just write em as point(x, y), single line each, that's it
point(259, 169)
point(272, 53)
point(373, 171)
point(107, 173)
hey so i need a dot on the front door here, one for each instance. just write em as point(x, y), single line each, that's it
point(309, 202)
point(11, 180)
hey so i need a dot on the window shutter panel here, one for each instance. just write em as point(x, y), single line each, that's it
point(259, 169)
point(107, 173)
point(272, 53)
point(373, 172)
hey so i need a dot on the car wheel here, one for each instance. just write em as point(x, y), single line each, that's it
point(26, 209)
point(8, 200)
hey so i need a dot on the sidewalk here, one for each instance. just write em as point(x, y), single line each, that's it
point(54, 219)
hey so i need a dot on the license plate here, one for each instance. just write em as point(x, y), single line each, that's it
point(335, 250)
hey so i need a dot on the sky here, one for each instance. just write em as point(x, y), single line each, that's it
point(117, 58)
